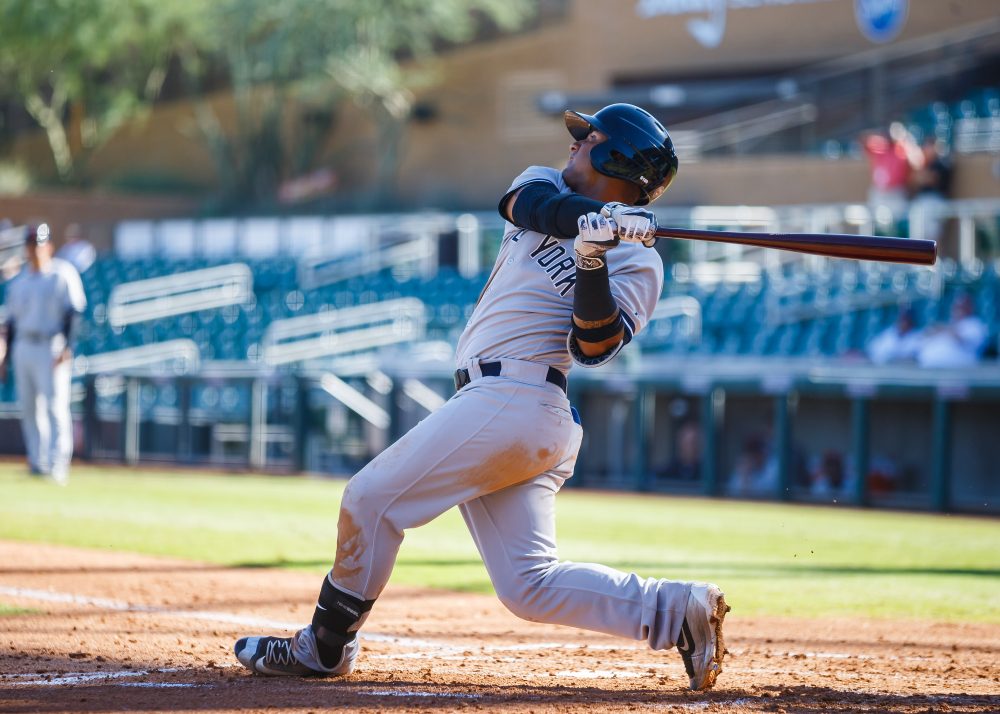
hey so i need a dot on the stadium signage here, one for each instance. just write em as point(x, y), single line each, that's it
point(878, 20)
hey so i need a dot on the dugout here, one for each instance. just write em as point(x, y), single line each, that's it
point(899, 437)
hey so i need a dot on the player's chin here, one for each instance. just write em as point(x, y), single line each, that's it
point(569, 176)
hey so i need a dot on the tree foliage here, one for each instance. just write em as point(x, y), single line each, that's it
point(82, 68)
point(314, 54)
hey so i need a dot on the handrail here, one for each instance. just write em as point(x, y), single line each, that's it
point(680, 306)
point(336, 332)
point(179, 357)
point(314, 273)
point(759, 119)
point(144, 300)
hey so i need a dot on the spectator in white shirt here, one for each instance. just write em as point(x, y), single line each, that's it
point(899, 342)
point(960, 343)
point(76, 250)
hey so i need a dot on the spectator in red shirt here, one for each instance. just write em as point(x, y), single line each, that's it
point(891, 159)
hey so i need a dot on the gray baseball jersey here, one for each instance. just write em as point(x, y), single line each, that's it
point(526, 309)
point(38, 301)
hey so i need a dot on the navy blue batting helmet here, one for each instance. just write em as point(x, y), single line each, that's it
point(638, 149)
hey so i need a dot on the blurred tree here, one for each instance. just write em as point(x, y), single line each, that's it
point(82, 68)
point(291, 63)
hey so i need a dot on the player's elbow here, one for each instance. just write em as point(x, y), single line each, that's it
point(595, 338)
point(596, 349)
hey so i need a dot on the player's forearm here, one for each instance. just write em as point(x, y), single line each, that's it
point(540, 207)
point(598, 326)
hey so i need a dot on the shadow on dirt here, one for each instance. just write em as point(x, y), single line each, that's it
point(72, 686)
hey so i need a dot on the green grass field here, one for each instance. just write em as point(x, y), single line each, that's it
point(770, 559)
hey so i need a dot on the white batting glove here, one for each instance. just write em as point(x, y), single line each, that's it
point(596, 238)
point(633, 224)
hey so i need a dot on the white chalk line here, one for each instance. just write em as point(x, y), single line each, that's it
point(225, 617)
point(698, 706)
point(397, 693)
point(430, 649)
point(33, 680)
point(436, 648)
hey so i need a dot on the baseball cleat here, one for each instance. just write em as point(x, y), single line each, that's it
point(291, 656)
point(700, 642)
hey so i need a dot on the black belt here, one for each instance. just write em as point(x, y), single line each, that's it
point(35, 337)
point(492, 369)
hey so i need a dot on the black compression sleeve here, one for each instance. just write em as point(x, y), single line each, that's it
point(540, 207)
point(592, 298)
point(70, 327)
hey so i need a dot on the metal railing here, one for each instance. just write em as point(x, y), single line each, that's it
point(179, 293)
point(330, 423)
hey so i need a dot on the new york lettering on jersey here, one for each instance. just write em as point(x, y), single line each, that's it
point(555, 257)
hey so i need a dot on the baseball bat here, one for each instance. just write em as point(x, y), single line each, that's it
point(832, 245)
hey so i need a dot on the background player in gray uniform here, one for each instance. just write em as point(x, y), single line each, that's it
point(573, 282)
point(44, 302)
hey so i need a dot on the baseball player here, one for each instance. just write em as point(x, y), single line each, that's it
point(573, 283)
point(44, 304)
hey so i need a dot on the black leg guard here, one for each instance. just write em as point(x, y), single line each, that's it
point(336, 613)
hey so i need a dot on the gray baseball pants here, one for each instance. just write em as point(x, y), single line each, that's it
point(500, 450)
point(44, 397)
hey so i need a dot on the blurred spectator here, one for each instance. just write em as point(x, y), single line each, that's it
point(960, 343)
point(828, 477)
point(883, 476)
point(756, 470)
point(685, 465)
point(76, 250)
point(10, 259)
point(899, 342)
point(890, 158)
point(930, 184)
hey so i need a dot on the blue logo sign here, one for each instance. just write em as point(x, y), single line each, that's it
point(880, 20)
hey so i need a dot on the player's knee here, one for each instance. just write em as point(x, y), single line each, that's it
point(360, 509)
point(352, 502)
point(524, 593)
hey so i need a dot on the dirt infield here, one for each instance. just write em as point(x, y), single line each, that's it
point(110, 632)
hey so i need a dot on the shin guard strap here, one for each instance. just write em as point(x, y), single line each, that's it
point(336, 613)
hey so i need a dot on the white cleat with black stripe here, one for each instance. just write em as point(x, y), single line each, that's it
point(700, 642)
point(292, 656)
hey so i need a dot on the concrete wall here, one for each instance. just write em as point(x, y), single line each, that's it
point(96, 212)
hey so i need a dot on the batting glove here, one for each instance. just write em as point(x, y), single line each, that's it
point(633, 224)
point(596, 238)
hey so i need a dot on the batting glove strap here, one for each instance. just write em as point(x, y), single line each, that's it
point(631, 223)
